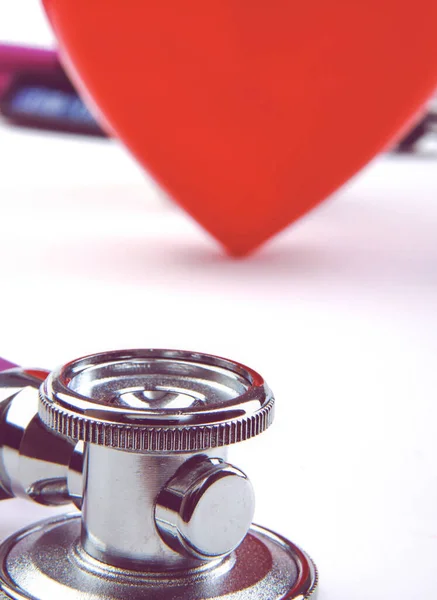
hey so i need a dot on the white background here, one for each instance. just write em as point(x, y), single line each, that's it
point(339, 314)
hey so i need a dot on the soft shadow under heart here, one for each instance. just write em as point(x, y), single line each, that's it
point(370, 250)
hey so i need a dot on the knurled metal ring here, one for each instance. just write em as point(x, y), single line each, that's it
point(156, 401)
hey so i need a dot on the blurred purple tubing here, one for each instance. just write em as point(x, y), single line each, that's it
point(5, 364)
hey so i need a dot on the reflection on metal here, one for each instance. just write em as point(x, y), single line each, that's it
point(138, 440)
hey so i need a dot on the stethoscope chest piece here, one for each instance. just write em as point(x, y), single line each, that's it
point(137, 440)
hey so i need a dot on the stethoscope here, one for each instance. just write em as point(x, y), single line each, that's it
point(137, 440)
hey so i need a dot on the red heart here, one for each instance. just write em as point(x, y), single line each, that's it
point(250, 112)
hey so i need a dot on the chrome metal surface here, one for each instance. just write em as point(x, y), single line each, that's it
point(156, 401)
point(138, 439)
point(206, 509)
point(118, 518)
point(118, 400)
point(34, 463)
point(16, 379)
point(44, 563)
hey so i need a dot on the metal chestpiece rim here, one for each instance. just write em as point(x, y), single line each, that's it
point(156, 401)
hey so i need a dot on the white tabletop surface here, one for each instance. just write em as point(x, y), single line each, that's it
point(339, 313)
